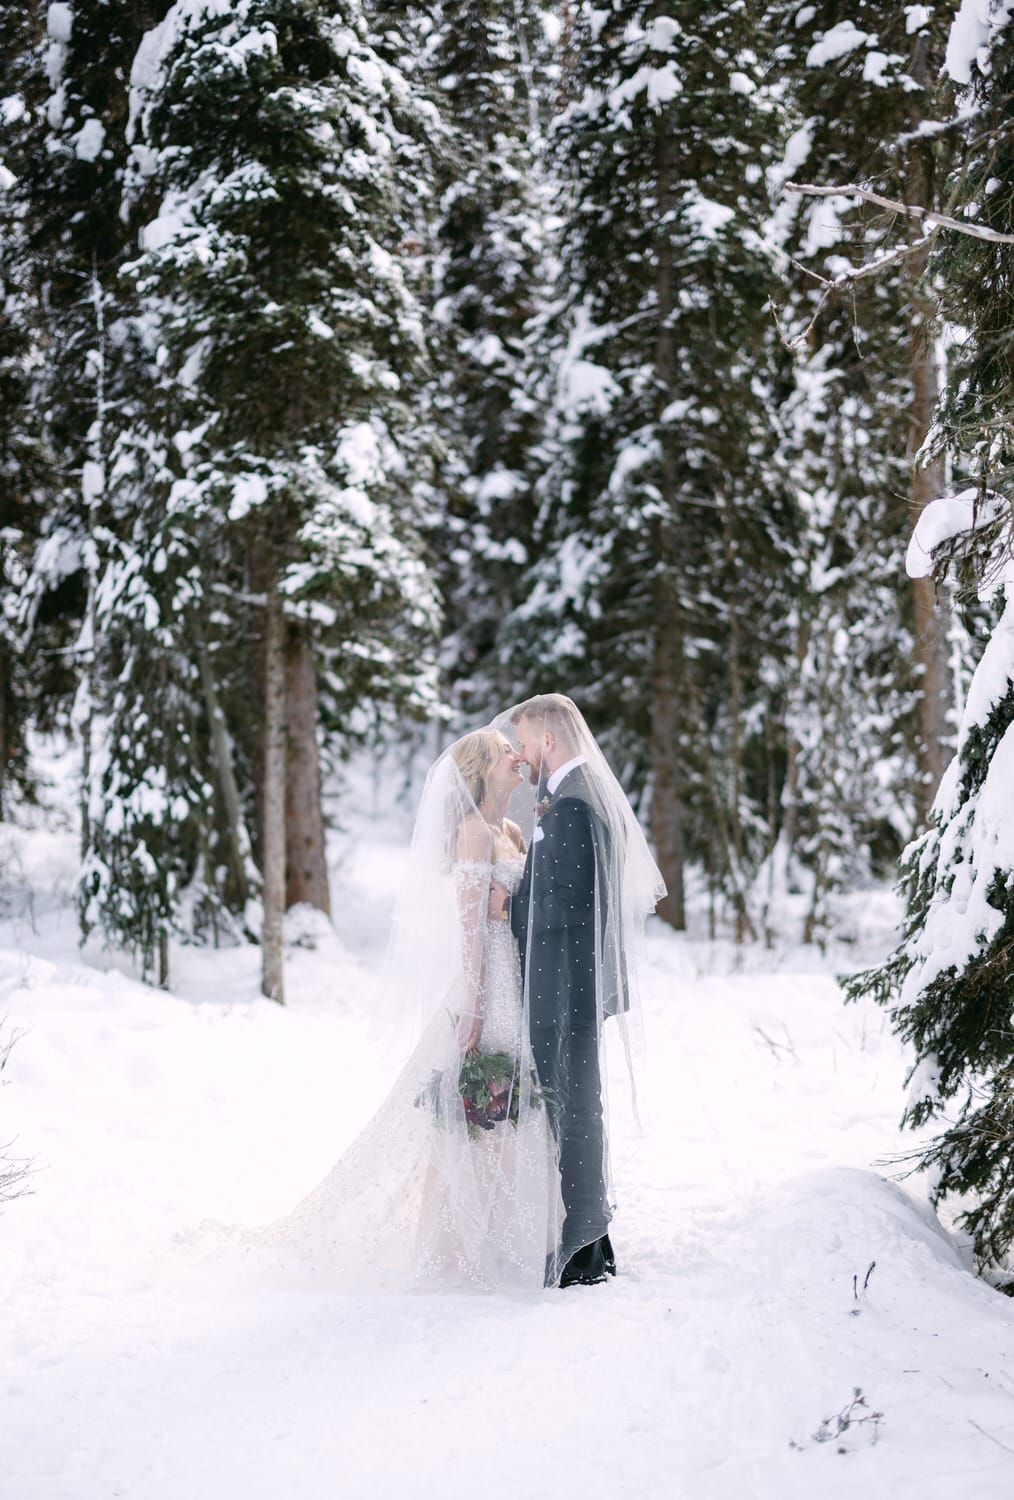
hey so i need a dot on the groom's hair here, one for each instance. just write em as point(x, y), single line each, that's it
point(555, 712)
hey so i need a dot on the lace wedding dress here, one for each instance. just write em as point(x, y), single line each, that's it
point(491, 1207)
point(420, 1200)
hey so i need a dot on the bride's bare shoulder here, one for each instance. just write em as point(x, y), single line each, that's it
point(474, 839)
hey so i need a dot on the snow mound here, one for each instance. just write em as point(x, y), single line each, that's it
point(827, 1227)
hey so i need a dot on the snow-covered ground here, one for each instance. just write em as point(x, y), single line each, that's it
point(751, 1208)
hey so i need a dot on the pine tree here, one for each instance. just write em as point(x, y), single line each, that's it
point(287, 158)
point(976, 419)
point(948, 982)
point(845, 682)
point(66, 72)
point(870, 712)
point(662, 514)
point(150, 844)
point(90, 340)
point(488, 249)
point(24, 471)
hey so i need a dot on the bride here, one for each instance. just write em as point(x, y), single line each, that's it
point(455, 1180)
point(491, 1206)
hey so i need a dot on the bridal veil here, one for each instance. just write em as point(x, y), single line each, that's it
point(457, 1178)
point(454, 1182)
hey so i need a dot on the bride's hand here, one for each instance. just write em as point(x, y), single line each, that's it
point(469, 1032)
point(498, 897)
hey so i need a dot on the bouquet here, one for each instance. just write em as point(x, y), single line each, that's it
point(489, 1084)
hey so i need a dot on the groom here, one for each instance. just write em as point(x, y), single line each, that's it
point(557, 918)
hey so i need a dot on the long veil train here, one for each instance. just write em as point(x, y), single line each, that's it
point(455, 1180)
point(478, 1170)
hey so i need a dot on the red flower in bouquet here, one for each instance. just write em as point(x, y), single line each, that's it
point(499, 1104)
point(474, 1115)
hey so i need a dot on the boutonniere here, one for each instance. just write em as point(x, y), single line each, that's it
point(541, 808)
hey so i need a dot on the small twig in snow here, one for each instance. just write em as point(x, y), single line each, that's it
point(836, 1426)
point(777, 1047)
point(13, 1172)
point(765, 1038)
point(8, 1042)
point(989, 1435)
point(856, 1313)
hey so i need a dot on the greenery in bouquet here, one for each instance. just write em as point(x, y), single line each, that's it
point(489, 1086)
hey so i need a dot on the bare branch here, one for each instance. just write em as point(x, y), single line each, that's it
point(13, 1175)
point(13, 1172)
point(8, 1042)
point(926, 216)
point(845, 280)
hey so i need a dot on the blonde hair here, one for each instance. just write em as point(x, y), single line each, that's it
point(474, 756)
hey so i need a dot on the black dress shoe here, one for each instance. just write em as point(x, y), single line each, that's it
point(608, 1257)
point(586, 1267)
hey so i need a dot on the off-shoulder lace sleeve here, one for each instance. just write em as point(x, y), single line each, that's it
point(471, 884)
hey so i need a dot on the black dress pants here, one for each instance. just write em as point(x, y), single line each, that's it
point(567, 1064)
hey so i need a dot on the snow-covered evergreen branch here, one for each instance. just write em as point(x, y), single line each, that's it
point(932, 218)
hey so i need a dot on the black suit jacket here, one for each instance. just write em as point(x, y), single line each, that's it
point(558, 915)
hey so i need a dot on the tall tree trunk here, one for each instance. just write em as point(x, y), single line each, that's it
point(93, 481)
point(830, 718)
point(667, 644)
point(221, 754)
point(273, 814)
point(664, 742)
point(735, 697)
point(305, 864)
point(744, 925)
point(160, 945)
point(931, 615)
point(790, 791)
point(3, 731)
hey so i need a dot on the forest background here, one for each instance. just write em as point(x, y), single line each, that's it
point(372, 364)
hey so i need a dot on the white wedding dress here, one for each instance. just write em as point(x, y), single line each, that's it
point(419, 1201)
point(491, 1208)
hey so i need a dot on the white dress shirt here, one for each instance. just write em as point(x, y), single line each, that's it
point(552, 783)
